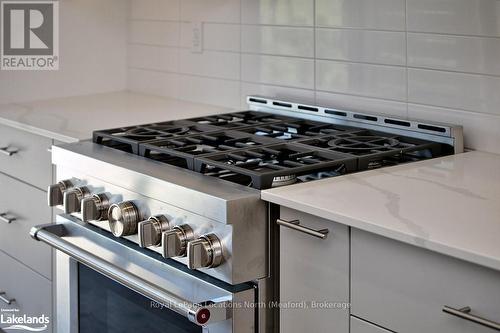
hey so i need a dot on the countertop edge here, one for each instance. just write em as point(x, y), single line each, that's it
point(38, 131)
point(472, 257)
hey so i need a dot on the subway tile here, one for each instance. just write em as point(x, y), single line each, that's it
point(455, 90)
point(216, 36)
point(154, 33)
point(362, 104)
point(155, 9)
point(379, 47)
point(462, 17)
point(368, 14)
point(215, 64)
point(361, 79)
point(210, 91)
point(289, 41)
point(455, 53)
point(278, 12)
point(285, 93)
point(153, 82)
point(224, 11)
point(274, 70)
point(153, 57)
point(480, 130)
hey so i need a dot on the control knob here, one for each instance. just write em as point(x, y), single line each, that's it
point(123, 218)
point(204, 252)
point(174, 241)
point(72, 199)
point(56, 191)
point(151, 229)
point(95, 207)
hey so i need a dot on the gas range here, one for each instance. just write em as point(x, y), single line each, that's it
point(172, 210)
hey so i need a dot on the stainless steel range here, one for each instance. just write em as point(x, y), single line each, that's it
point(163, 227)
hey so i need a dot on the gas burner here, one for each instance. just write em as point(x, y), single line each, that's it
point(129, 138)
point(278, 163)
point(284, 180)
point(363, 144)
point(239, 119)
point(181, 151)
point(296, 129)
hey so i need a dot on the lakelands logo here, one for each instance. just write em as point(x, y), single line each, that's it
point(30, 35)
point(11, 320)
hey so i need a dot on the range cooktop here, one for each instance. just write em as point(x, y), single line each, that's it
point(269, 149)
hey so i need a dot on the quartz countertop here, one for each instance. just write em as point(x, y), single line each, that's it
point(72, 119)
point(450, 205)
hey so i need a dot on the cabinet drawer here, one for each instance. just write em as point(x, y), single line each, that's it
point(404, 288)
point(29, 160)
point(314, 270)
point(361, 326)
point(28, 206)
point(31, 292)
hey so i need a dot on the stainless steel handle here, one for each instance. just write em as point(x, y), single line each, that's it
point(295, 225)
point(464, 313)
point(6, 300)
point(8, 152)
point(7, 219)
point(196, 313)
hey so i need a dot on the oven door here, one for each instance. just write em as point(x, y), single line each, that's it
point(107, 284)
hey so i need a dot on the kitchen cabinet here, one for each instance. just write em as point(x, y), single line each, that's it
point(405, 288)
point(26, 270)
point(361, 326)
point(314, 275)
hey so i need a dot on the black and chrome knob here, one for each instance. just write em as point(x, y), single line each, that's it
point(204, 252)
point(55, 192)
point(123, 218)
point(72, 199)
point(174, 241)
point(95, 207)
point(151, 229)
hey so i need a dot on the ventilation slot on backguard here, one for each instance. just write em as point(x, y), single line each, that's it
point(308, 108)
point(397, 122)
point(336, 113)
point(432, 128)
point(256, 100)
point(283, 105)
point(364, 117)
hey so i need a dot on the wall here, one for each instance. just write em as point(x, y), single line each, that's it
point(429, 59)
point(93, 46)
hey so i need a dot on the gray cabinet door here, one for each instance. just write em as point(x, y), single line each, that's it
point(29, 206)
point(31, 293)
point(313, 270)
point(30, 162)
point(361, 326)
point(404, 288)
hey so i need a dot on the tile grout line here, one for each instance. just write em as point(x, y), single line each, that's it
point(314, 51)
point(406, 58)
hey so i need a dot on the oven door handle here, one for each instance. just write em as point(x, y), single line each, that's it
point(201, 314)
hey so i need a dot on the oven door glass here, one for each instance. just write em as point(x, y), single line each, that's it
point(105, 306)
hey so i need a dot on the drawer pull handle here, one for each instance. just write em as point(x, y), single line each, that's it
point(6, 300)
point(295, 225)
point(4, 217)
point(9, 151)
point(464, 313)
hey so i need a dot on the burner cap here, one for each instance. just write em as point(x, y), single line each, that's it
point(363, 143)
point(284, 180)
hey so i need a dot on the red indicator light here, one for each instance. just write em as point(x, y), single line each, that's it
point(203, 316)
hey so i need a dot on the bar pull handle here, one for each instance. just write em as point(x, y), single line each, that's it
point(464, 313)
point(6, 218)
point(6, 300)
point(8, 151)
point(295, 225)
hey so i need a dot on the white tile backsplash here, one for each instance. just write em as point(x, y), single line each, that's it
point(279, 12)
point(277, 40)
point(364, 14)
point(430, 59)
point(378, 47)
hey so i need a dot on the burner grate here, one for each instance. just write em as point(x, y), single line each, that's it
point(269, 165)
point(239, 119)
point(129, 138)
point(376, 149)
point(182, 150)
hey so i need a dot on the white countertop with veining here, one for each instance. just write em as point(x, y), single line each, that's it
point(72, 119)
point(450, 205)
